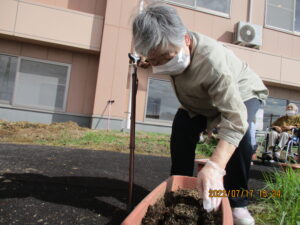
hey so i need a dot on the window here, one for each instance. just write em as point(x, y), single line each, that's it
point(8, 66)
point(297, 16)
point(35, 84)
point(215, 5)
point(283, 14)
point(185, 2)
point(162, 103)
point(219, 6)
point(273, 109)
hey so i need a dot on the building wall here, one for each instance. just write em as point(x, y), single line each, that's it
point(283, 92)
point(277, 61)
point(96, 7)
point(220, 28)
point(114, 63)
point(54, 23)
point(83, 74)
point(63, 31)
point(94, 36)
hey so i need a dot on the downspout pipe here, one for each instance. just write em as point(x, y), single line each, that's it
point(249, 11)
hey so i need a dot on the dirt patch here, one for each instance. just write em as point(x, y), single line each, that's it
point(183, 207)
point(27, 132)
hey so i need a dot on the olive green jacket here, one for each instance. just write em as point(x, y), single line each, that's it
point(288, 121)
point(216, 84)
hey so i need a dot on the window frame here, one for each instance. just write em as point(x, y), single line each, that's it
point(156, 121)
point(201, 9)
point(297, 33)
point(12, 102)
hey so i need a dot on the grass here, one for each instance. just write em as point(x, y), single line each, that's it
point(69, 134)
point(206, 147)
point(283, 209)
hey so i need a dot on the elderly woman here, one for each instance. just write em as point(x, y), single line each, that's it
point(214, 87)
point(281, 129)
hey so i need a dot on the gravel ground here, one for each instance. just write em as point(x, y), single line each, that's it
point(54, 185)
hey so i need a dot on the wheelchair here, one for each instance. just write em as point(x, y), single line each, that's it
point(289, 149)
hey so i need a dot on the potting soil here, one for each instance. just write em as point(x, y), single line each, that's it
point(183, 207)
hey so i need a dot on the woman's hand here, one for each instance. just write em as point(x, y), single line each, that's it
point(210, 177)
point(277, 128)
point(287, 128)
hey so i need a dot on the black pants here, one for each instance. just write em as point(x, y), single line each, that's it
point(184, 137)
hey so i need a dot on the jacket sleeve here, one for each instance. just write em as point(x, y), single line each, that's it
point(279, 122)
point(225, 95)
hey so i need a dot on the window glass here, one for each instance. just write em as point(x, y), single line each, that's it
point(297, 16)
point(273, 109)
point(41, 85)
point(280, 14)
point(222, 6)
point(162, 103)
point(185, 2)
point(8, 67)
point(216, 5)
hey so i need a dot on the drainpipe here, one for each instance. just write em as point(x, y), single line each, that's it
point(249, 11)
point(141, 6)
point(109, 102)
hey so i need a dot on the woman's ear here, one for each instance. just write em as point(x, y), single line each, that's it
point(187, 39)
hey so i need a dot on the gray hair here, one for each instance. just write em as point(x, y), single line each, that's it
point(157, 25)
point(295, 107)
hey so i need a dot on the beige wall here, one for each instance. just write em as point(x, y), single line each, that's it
point(220, 28)
point(96, 7)
point(113, 68)
point(271, 67)
point(277, 62)
point(284, 92)
point(99, 24)
point(83, 74)
point(50, 24)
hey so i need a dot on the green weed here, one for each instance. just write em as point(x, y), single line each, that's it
point(284, 210)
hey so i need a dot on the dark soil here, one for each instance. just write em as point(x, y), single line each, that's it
point(183, 207)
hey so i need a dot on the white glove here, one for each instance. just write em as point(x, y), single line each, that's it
point(210, 177)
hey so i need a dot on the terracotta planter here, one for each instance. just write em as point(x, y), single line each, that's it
point(293, 166)
point(200, 163)
point(172, 184)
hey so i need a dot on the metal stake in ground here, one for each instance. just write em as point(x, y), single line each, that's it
point(133, 62)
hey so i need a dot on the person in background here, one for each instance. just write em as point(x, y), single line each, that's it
point(281, 130)
point(214, 88)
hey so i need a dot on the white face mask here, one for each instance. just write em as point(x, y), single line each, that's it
point(290, 112)
point(175, 66)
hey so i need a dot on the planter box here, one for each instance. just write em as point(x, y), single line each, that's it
point(200, 163)
point(172, 184)
point(293, 166)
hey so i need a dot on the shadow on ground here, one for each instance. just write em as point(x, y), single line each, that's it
point(81, 192)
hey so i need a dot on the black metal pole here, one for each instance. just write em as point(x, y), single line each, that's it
point(133, 60)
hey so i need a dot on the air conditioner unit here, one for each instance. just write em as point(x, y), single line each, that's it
point(249, 35)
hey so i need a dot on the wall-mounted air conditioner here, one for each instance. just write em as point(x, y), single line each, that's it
point(247, 34)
